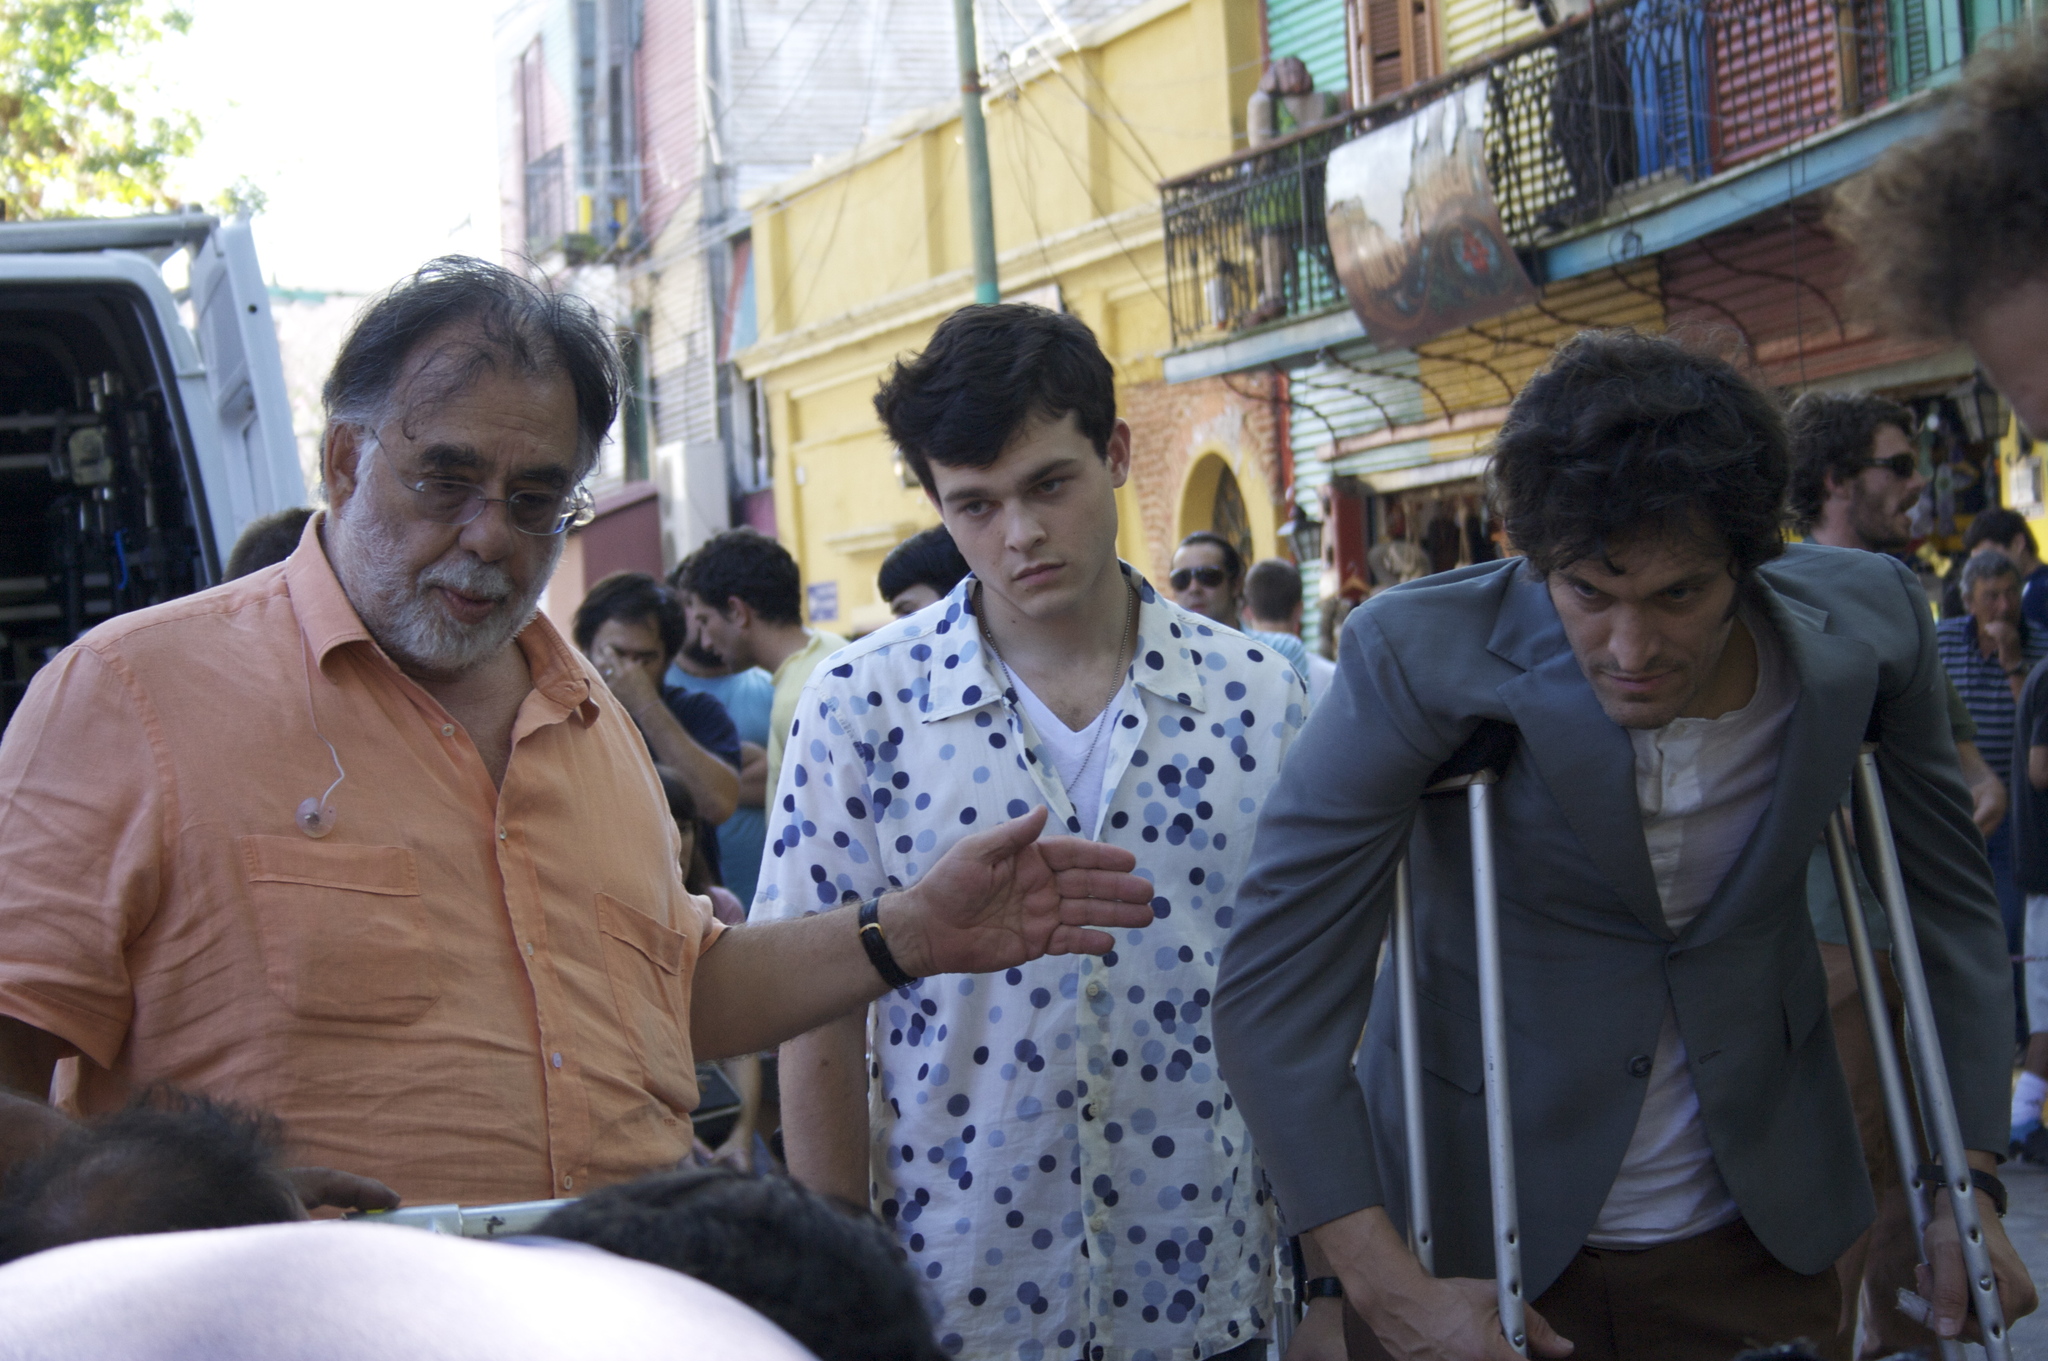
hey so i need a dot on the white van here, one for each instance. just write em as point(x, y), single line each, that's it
point(133, 449)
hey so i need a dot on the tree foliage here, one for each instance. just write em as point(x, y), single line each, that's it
point(71, 138)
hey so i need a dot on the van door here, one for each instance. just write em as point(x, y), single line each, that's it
point(258, 450)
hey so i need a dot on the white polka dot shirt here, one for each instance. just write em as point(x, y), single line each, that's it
point(1053, 1145)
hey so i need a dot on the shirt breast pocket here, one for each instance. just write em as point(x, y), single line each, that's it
point(647, 964)
point(343, 929)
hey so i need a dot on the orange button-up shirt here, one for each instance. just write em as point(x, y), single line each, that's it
point(471, 993)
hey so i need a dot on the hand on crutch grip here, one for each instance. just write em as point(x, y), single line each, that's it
point(1963, 1252)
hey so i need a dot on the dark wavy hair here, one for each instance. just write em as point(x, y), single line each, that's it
point(988, 370)
point(830, 1275)
point(1943, 222)
point(168, 1161)
point(1624, 434)
point(748, 564)
point(927, 558)
point(1832, 432)
point(485, 317)
point(631, 598)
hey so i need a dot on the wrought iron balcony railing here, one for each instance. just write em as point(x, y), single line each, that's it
point(1582, 119)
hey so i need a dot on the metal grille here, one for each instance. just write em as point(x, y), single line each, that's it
point(1580, 120)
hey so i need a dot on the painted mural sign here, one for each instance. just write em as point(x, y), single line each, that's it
point(1413, 227)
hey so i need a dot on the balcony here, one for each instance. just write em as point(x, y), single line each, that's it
point(1630, 105)
point(589, 223)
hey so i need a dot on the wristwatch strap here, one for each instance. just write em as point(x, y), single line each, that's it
point(877, 946)
point(1323, 1287)
point(1930, 1174)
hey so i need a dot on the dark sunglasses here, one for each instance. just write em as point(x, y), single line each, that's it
point(1902, 466)
point(1212, 577)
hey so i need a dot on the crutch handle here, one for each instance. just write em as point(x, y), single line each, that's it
point(1482, 759)
point(1931, 1071)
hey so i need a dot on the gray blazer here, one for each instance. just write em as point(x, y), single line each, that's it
point(1588, 959)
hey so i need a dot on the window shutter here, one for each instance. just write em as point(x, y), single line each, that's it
point(1393, 45)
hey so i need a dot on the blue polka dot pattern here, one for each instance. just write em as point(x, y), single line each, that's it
point(1053, 1144)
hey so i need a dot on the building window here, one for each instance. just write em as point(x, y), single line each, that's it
point(1393, 45)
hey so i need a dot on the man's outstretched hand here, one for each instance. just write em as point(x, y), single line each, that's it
point(1002, 897)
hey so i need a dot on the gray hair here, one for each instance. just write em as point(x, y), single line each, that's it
point(1988, 565)
point(485, 317)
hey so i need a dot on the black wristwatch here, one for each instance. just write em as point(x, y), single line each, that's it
point(1930, 1173)
point(877, 946)
point(1323, 1287)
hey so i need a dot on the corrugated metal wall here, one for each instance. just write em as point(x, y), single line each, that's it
point(1484, 366)
point(1775, 76)
point(1474, 27)
point(1314, 31)
point(1774, 285)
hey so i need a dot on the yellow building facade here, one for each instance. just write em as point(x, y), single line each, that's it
point(857, 261)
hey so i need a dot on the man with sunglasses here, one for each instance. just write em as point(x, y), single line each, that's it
point(1208, 579)
point(1855, 480)
point(359, 839)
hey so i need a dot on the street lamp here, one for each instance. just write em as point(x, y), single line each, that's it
point(1305, 534)
point(1982, 409)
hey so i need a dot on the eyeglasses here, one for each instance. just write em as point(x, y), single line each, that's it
point(542, 514)
point(1902, 466)
point(1211, 577)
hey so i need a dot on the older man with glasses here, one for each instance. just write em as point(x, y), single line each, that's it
point(360, 840)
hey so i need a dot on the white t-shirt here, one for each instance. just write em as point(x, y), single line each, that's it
point(1321, 671)
point(1701, 784)
point(1081, 771)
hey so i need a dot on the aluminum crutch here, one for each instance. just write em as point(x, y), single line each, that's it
point(1493, 1044)
point(1474, 768)
point(1877, 1018)
point(1930, 1071)
point(1421, 1240)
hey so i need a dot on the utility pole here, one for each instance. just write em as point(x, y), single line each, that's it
point(981, 218)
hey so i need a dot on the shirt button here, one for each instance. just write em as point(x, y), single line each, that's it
point(501, 834)
point(529, 949)
point(1099, 1223)
point(1639, 1066)
point(1095, 989)
point(568, 1183)
point(558, 1061)
point(447, 730)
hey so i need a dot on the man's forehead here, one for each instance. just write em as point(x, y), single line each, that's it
point(1651, 562)
point(1041, 446)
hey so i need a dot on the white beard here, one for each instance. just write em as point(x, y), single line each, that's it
point(400, 612)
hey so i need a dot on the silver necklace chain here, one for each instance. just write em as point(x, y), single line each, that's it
point(1123, 665)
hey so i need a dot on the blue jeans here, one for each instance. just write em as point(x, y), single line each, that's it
point(2012, 910)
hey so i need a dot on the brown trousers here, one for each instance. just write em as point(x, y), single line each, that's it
point(1704, 1298)
point(1882, 1260)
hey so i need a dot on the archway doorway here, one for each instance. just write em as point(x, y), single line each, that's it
point(1211, 499)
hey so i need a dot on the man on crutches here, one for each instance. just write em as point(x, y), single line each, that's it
point(1688, 698)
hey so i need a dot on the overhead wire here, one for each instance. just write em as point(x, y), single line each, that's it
point(1103, 213)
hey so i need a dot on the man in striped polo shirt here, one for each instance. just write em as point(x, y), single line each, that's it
point(1988, 653)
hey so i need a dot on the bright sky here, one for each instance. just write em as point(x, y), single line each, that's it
point(368, 124)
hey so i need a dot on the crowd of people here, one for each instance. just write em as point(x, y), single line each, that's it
point(1030, 942)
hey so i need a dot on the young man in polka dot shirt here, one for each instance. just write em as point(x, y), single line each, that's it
point(1054, 1144)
